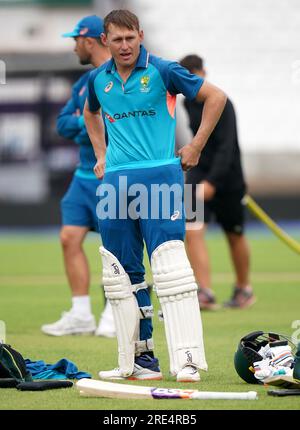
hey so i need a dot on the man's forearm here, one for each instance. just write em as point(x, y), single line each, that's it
point(213, 107)
point(95, 128)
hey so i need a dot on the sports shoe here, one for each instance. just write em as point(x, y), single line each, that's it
point(241, 298)
point(145, 368)
point(188, 374)
point(207, 299)
point(70, 323)
point(106, 326)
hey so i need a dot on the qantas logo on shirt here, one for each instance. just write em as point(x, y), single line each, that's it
point(131, 114)
point(110, 119)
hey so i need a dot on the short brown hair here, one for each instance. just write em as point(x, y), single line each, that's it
point(121, 18)
point(192, 62)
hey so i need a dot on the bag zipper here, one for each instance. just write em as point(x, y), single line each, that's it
point(13, 361)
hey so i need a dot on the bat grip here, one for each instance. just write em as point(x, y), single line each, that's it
point(202, 395)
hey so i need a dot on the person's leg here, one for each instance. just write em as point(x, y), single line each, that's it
point(240, 255)
point(198, 255)
point(123, 241)
point(89, 201)
point(76, 224)
point(79, 319)
point(231, 217)
point(173, 276)
point(242, 296)
point(75, 261)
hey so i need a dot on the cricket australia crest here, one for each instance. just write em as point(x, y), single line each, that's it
point(145, 84)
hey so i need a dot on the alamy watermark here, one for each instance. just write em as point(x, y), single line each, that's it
point(2, 332)
point(2, 72)
point(154, 201)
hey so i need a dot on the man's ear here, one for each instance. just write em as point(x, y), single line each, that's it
point(104, 39)
point(141, 34)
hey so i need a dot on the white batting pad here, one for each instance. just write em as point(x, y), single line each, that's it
point(118, 290)
point(177, 292)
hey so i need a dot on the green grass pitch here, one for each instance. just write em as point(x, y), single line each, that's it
point(34, 291)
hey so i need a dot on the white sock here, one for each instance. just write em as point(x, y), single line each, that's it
point(107, 312)
point(81, 305)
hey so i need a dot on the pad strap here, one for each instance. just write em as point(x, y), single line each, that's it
point(138, 287)
point(147, 312)
point(142, 346)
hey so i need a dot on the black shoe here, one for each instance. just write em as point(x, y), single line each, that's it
point(241, 298)
point(207, 299)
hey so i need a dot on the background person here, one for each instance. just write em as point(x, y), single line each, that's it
point(78, 206)
point(220, 172)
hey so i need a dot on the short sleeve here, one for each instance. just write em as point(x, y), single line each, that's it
point(92, 98)
point(182, 81)
point(176, 78)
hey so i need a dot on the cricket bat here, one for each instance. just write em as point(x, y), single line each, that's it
point(257, 211)
point(95, 388)
point(284, 381)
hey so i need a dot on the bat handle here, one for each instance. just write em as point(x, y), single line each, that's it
point(202, 395)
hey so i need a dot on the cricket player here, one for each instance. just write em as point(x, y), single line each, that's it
point(136, 94)
point(79, 203)
point(220, 172)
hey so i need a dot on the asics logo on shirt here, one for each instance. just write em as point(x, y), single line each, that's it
point(108, 87)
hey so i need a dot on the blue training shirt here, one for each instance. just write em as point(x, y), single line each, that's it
point(70, 124)
point(139, 115)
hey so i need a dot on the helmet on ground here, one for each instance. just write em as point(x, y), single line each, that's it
point(249, 351)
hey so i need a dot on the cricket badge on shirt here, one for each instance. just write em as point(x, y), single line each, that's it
point(145, 84)
point(108, 87)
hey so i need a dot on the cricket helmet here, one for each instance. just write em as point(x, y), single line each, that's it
point(248, 352)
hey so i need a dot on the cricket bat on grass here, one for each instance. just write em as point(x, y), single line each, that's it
point(95, 388)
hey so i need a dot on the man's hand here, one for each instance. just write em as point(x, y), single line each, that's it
point(99, 168)
point(190, 155)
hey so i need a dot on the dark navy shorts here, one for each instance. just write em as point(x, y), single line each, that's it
point(78, 206)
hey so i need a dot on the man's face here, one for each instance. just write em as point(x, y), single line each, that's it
point(81, 50)
point(124, 44)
